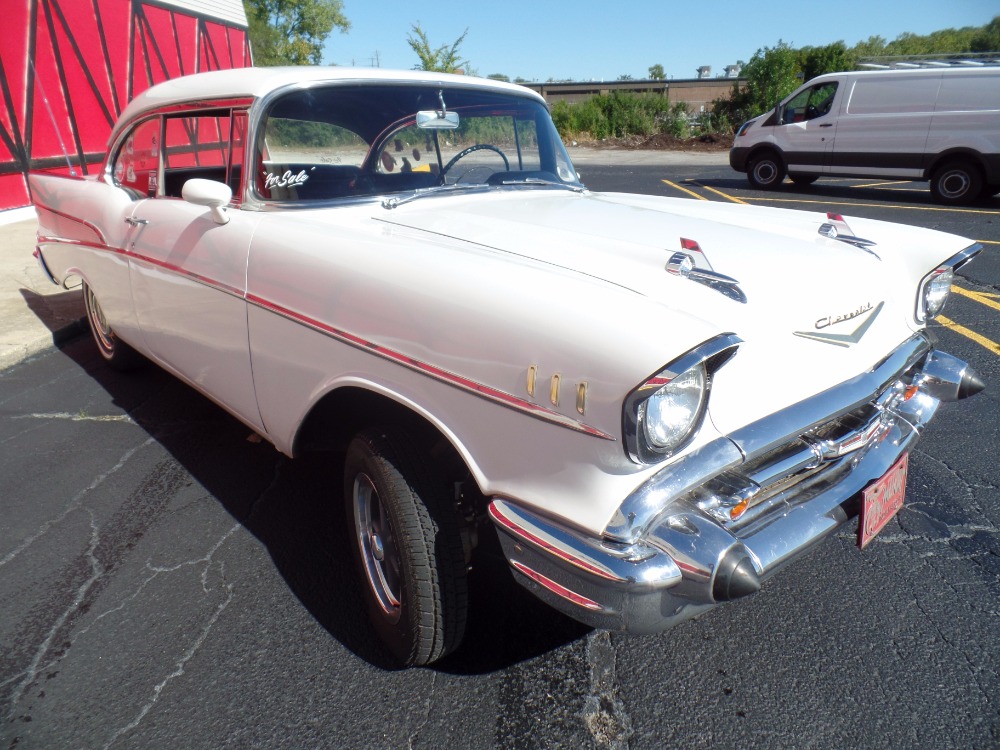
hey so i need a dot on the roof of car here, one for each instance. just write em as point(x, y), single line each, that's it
point(257, 82)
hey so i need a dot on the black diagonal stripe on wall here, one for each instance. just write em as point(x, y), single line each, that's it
point(140, 29)
point(108, 67)
point(64, 85)
point(149, 39)
point(12, 140)
point(83, 63)
point(210, 45)
point(177, 42)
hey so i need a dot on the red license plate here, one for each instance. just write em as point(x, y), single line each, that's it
point(882, 501)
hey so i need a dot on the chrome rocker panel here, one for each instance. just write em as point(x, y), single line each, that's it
point(669, 555)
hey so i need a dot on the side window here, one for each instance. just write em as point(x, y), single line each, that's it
point(137, 165)
point(195, 146)
point(308, 160)
point(810, 103)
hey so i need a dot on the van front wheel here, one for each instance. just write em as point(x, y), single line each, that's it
point(956, 183)
point(766, 171)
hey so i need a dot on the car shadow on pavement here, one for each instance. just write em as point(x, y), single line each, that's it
point(294, 508)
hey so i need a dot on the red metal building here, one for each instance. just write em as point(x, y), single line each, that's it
point(69, 67)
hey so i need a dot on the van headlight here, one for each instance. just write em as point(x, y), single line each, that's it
point(663, 413)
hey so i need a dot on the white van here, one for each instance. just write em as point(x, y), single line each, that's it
point(937, 124)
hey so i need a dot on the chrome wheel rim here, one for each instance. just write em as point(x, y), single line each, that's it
point(954, 184)
point(99, 324)
point(377, 542)
point(765, 172)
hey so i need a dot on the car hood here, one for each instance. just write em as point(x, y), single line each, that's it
point(829, 308)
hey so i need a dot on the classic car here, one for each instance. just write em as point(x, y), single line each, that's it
point(653, 404)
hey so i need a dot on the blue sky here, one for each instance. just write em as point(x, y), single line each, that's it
point(586, 40)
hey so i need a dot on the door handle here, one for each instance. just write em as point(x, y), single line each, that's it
point(827, 125)
point(136, 222)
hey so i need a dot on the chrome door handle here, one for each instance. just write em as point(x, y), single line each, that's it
point(136, 222)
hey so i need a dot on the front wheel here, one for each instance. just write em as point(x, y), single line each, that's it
point(956, 183)
point(407, 545)
point(766, 171)
point(114, 351)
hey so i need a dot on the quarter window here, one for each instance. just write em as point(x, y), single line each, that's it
point(137, 166)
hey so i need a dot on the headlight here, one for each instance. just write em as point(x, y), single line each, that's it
point(668, 416)
point(936, 286)
point(934, 293)
point(663, 414)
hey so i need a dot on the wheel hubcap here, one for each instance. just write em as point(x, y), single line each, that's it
point(376, 540)
point(765, 172)
point(99, 323)
point(955, 184)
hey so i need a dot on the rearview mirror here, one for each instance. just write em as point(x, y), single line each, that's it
point(433, 120)
point(215, 195)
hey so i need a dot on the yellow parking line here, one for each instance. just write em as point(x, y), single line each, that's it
point(685, 190)
point(982, 298)
point(878, 205)
point(992, 346)
point(720, 193)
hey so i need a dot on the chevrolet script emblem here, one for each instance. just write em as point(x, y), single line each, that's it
point(867, 312)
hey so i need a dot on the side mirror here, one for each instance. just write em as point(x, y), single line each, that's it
point(779, 114)
point(214, 195)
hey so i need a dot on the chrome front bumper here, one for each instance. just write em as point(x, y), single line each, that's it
point(712, 526)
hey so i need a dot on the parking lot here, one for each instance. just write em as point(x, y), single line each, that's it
point(167, 580)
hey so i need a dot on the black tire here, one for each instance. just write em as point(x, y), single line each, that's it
point(956, 183)
point(406, 542)
point(115, 352)
point(765, 171)
point(804, 180)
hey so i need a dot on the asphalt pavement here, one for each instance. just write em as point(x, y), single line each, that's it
point(37, 314)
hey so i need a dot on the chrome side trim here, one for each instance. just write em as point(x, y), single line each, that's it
point(444, 376)
point(45, 269)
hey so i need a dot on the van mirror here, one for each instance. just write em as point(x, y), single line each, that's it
point(779, 113)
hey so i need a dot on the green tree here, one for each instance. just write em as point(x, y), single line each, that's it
point(499, 77)
point(292, 32)
point(771, 74)
point(987, 39)
point(443, 59)
point(832, 58)
point(656, 72)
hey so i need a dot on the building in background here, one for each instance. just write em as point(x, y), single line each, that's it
point(69, 67)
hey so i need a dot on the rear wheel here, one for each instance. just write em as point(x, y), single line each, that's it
point(766, 171)
point(956, 182)
point(114, 351)
point(407, 545)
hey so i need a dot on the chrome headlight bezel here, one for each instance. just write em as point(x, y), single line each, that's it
point(683, 388)
point(935, 287)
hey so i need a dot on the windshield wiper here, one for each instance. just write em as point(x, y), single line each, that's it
point(541, 181)
point(394, 202)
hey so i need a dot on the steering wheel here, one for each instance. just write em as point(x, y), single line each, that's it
point(469, 150)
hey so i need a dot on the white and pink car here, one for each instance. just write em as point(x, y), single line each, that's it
point(654, 403)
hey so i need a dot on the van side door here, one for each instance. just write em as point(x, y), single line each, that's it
point(883, 127)
point(808, 127)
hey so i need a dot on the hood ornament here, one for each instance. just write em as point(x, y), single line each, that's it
point(691, 263)
point(837, 229)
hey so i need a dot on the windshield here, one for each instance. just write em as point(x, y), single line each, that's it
point(354, 141)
